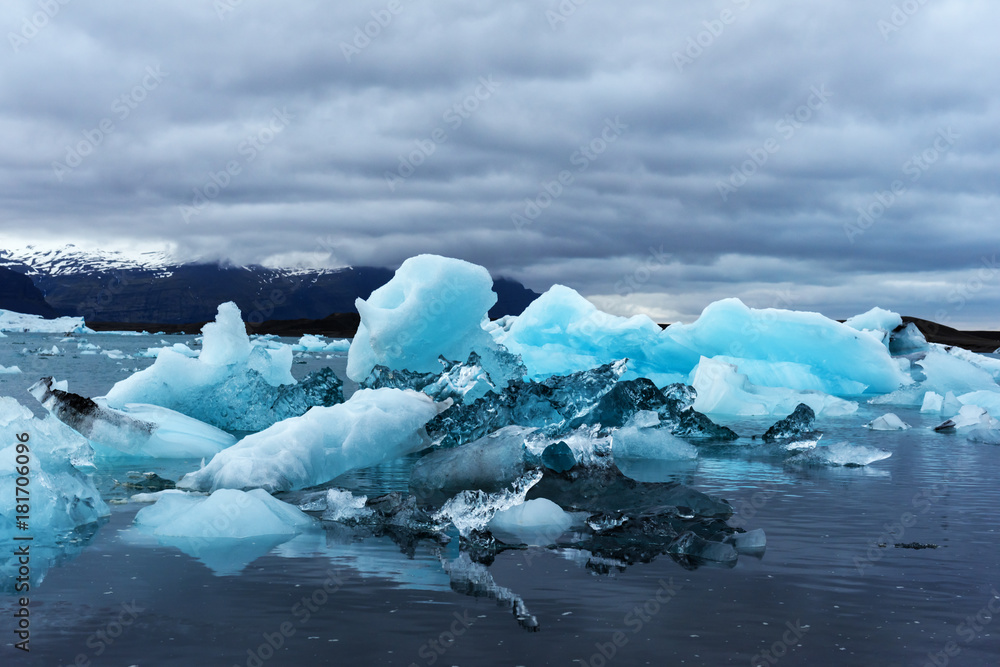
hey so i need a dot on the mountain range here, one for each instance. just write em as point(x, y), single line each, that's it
point(110, 287)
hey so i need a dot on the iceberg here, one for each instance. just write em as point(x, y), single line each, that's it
point(833, 352)
point(490, 464)
point(312, 343)
point(432, 307)
point(62, 499)
point(233, 384)
point(887, 422)
point(722, 389)
point(226, 530)
point(797, 426)
point(644, 437)
point(561, 333)
point(137, 429)
point(12, 321)
point(10, 370)
point(227, 513)
point(375, 425)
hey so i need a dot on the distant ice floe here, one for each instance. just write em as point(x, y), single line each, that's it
point(12, 321)
point(312, 343)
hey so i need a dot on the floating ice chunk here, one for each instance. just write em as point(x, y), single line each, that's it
point(179, 348)
point(227, 530)
point(533, 522)
point(969, 415)
point(558, 457)
point(472, 510)
point(987, 432)
point(115, 354)
point(10, 370)
point(691, 545)
point(834, 352)
point(233, 384)
point(311, 343)
point(375, 425)
point(345, 506)
point(11, 321)
point(840, 454)
point(61, 497)
point(796, 426)
point(432, 307)
point(490, 463)
point(887, 422)
point(933, 402)
point(138, 430)
point(643, 437)
point(227, 513)
point(750, 541)
point(722, 389)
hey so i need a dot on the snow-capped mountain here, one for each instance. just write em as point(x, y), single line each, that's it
point(154, 288)
point(70, 260)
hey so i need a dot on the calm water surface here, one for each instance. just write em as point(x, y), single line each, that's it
point(823, 593)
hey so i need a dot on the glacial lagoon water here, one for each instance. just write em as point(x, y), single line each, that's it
point(830, 589)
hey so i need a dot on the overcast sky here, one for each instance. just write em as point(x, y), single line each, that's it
point(655, 155)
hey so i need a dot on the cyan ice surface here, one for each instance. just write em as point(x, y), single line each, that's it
point(374, 425)
point(433, 307)
point(723, 390)
point(234, 384)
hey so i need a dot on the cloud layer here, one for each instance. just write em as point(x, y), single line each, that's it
point(654, 155)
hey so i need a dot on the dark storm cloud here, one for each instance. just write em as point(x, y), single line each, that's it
point(830, 156)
